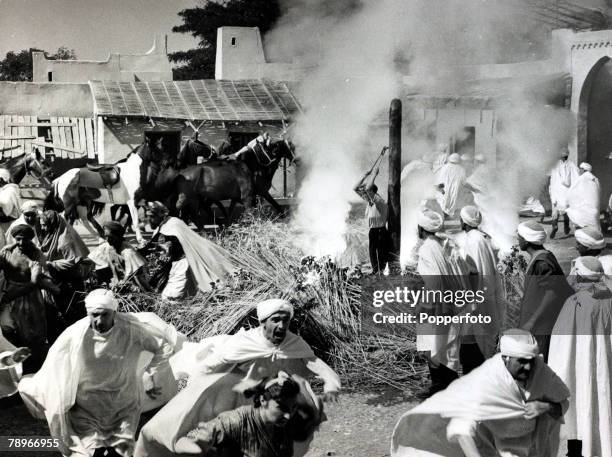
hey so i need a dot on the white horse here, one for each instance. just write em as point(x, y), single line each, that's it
point(77, 191)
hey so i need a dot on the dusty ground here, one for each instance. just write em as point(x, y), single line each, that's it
point(358, 425)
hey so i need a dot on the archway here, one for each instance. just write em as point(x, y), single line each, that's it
point(595, 124)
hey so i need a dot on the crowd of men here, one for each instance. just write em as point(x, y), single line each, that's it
point(106, 382)
point(91, 371)
point(547, 379)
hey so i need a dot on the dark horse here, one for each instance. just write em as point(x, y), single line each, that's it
point(164, 170)
point(192, 151)
point(13, 170)
point(237, 181)
point(32, 164)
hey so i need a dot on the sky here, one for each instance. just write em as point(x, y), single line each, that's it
point(93, 28)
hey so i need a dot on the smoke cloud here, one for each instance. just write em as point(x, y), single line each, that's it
point(358, 53)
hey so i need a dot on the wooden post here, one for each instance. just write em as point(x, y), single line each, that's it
point(395, 165)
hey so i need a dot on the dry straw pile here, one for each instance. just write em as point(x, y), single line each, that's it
point(327, 301)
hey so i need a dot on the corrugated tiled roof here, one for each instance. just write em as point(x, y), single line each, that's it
point(223, 100)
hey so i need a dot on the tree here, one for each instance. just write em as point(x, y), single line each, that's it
point(64, 53)
point(202, 22)
point(17, 66)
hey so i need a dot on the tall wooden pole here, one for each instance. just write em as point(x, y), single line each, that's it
point(395, 165)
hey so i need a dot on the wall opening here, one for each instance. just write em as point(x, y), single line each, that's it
point(595, 135)
point(171, 140)
point(233, 41)
point(49, 76)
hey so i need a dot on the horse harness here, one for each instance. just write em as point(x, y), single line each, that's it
point(259, 149)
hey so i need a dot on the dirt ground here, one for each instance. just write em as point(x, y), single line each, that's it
point(359, 424)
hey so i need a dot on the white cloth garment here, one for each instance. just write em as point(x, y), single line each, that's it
point(453, 177)
point(442, 268)
point(562, 177)
point(417, 187)
point(582, 357)
point(583, 201)
point(215, 367)
point(90, 388)
point(208, 262)
point(180, 281)
point(480, 257)
point(10, 373)
point(10, 200)
point(488, 405)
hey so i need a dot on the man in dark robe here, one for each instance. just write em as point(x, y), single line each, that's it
point(545, 289)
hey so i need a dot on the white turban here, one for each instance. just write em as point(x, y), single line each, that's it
point(30, 205)
point(518, 343)
point(454, 158)
point(590, 238)
point(532, 231)
point(430, 220)
point(588, 267)
point(275, 305)
point(586, 166)
point(606, 263)
point(471, 216)
point(101, 299)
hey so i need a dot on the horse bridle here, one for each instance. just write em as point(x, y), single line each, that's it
point(29, 171)
point(265, 153)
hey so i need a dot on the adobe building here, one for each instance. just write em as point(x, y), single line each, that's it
point(150, 66)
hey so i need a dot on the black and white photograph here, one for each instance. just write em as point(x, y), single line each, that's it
point(306, 228)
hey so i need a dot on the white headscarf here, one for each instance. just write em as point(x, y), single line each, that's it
point(532, 231)
point(30, 205)
point(591, 238)
point(588, 267)
point(471, 216)
point(518, 343)
point(454, 158)
point(586, 166)
point(430, 220)
point(101, 299)
point(275, 305)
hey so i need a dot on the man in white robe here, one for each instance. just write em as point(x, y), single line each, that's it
point(589, 243)
point(10, 204)
point(417, 188)
point(562, 177)
point(208, 263)
point(583, 199)
point(220, 364)
point(90, 388)
point(582, 357)
point(477, 249)
point(441, 156)
point(453, 176)
point(510, 406)
point(441, 268)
